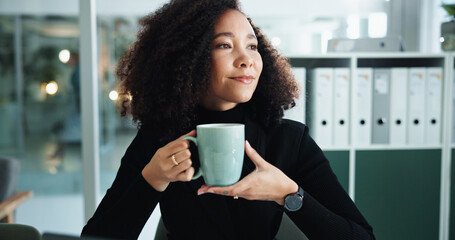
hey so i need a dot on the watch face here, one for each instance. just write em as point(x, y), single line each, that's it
point(293, 202)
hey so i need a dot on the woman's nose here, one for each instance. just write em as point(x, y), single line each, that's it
point(244, 61)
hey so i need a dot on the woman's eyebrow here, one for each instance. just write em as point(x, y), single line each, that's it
point(224, 34)
point(230, 34)
point(252, 36)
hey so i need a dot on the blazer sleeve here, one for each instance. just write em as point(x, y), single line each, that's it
point(130, 200)
point(327, 212)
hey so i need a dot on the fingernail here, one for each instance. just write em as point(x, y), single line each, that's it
point(247, 143)
point(200, 192)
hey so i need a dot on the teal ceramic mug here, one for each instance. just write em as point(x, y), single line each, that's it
point(221, 148)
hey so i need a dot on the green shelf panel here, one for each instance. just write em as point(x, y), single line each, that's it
point(398, 191)
point(339, 161)
point(452, 199)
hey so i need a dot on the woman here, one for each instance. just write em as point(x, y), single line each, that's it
point(204, 62)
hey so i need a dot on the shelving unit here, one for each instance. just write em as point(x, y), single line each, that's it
point(404, 190)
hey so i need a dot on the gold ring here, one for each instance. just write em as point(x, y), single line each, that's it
point(236, 196)
point(173, 160)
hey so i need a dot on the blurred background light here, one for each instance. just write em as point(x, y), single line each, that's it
point(51, 88)
point(276, 41)
point(64, 55)
point(377, 25)
point(113, 95)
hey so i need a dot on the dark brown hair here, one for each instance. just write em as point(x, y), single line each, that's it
point(167, 70)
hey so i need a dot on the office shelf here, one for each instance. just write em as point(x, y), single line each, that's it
point(405, 191)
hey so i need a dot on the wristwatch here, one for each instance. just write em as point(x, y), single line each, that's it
point(294, 201)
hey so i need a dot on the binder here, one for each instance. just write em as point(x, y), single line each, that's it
point(381, 106)
point(321, 102)
point(297, 113)
point(398, 105)
point(433, 97)
point(416, 105)
point(362, 102)
point(341, 103)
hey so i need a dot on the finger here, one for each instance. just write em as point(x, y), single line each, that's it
point(178, 145)
point(217, 190)
point(192, 133)
point(236, 189)
point(254, 156)
point(186, 176)
point(203, 189)
point(181, 156)
point(226, 191)
point(183, 166)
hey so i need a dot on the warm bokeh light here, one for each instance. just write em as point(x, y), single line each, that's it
point(113, 95)
point(51, 88)
point(64, 55)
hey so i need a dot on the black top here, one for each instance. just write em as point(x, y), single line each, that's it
point(327, 212)
point(235, 115)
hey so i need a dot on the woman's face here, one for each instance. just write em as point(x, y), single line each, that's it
point(236, 63)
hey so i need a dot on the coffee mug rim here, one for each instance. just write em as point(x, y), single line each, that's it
point(220, 125)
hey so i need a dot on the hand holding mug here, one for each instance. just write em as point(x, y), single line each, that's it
point(221, 152)
point(170, 163)
point(266, 183)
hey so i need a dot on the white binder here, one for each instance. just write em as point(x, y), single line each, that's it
point(341, 107)
point(362, 102)
point(381, 106)
point(398, 105)
point(433, 99)
point(321, 126)
point(297, 113)
point(416, 105)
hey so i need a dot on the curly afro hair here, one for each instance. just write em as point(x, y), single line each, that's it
point(166, 71)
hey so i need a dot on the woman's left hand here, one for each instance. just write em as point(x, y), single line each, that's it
point(265, 183)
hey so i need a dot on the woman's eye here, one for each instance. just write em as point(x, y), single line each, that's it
point(223, 46)
point(253, 47)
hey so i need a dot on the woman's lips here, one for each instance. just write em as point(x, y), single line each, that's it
point(244, 79)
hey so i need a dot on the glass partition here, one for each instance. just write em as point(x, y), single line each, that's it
point(116, 34)
point(8, 94)
point(40, 122)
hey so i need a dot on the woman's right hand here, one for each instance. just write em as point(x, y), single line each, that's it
point(170, 163)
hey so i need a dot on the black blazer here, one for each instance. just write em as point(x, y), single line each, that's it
point(327, 212)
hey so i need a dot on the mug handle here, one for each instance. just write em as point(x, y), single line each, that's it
point(194, 140)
